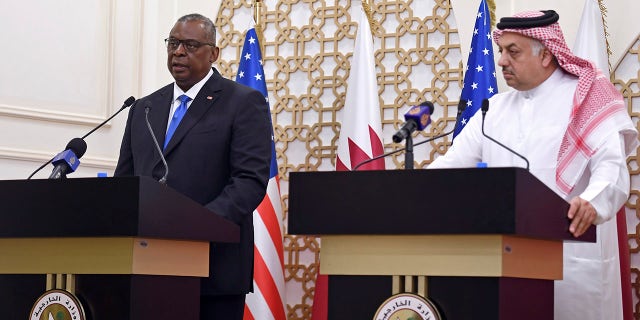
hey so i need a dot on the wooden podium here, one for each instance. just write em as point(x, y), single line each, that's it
point(479, 243)
point(128, 248)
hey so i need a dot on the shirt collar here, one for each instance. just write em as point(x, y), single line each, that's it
point(548, 83)
point(193, 91)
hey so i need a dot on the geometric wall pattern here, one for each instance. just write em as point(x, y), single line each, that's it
point(626, 78)
point(307, 51)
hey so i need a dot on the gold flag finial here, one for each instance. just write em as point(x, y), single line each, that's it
point(603, 13)
point(368, 11)
point(492, 12)
point(258, 7)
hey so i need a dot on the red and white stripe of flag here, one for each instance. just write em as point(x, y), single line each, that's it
point(267, 301)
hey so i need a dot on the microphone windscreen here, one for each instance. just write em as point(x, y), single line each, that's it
point(78, 146)
point(64, 162)
point(485, 105)
point(129, 102)
point(462, 105)
point(420, 115)
point(428, 104)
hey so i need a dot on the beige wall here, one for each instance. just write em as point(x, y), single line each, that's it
point(68, 65)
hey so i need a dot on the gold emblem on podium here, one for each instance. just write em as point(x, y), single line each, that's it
point(57, 305)
point(407, 306)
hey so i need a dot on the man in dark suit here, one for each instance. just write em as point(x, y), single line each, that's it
point(218, 153)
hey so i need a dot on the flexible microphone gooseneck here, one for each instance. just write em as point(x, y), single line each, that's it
point(485, 108)
point(127, 103)
point(462, 105)
point(147, 107)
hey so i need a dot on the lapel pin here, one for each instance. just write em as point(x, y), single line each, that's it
point(209, 97)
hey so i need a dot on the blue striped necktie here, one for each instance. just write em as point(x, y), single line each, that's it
point(175, 120)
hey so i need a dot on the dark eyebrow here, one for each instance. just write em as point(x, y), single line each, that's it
point(508, 47)
point(172, 37)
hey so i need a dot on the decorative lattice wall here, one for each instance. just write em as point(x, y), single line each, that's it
point(307, 51)
point(626, 77)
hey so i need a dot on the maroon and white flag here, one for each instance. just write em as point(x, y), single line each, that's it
point(361, 127)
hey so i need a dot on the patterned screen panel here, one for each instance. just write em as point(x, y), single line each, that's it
point(307, 52)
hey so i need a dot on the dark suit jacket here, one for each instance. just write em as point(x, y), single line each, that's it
point(219, 156)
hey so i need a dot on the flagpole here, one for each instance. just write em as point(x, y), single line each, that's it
point(258, 7)
point(492, 12)
point(366, 6)
point(603, 13)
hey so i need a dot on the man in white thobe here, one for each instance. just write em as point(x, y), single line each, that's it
point(571, 124)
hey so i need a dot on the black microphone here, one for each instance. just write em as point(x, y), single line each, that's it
point(462, 105)
point(485, 108)
point(68, 160)
point(417, 118)
point(127, 103)
point(147, 107)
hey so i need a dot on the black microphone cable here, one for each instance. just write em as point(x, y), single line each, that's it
point(127, 103)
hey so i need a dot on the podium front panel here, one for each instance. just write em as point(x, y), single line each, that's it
point(450, 255)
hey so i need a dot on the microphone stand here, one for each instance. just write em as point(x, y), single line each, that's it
point(400, 150)
point(130, 101)
point(162, 180)
point(408, 155)
point(484, 109)
point(462, 104)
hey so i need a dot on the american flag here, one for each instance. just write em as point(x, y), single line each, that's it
point(268, 299)
point(480, 74)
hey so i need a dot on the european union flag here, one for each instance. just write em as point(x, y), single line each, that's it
point(480, 74)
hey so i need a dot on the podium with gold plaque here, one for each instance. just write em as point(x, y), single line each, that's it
point(476, 243)
point(115, 248)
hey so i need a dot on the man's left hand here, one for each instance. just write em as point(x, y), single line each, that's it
point(582, 214)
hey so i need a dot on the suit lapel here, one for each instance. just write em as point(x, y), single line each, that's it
point(158, 117)
point(201, 104)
